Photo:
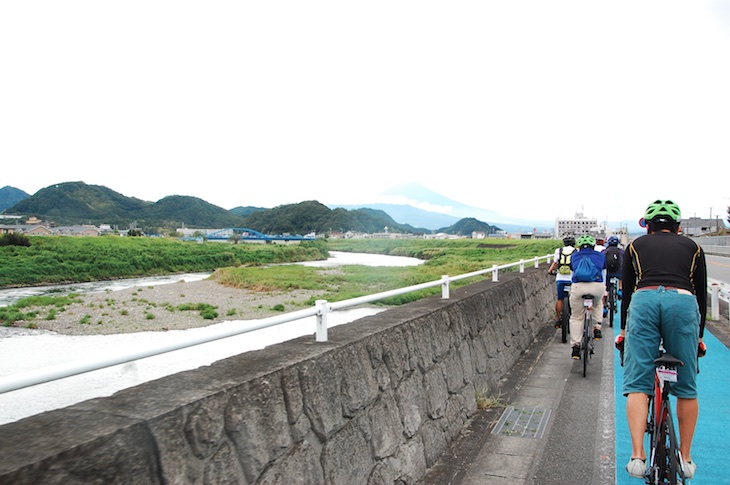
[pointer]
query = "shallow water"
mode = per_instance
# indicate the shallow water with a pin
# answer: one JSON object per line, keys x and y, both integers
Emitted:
{"x": 25, "y": 350}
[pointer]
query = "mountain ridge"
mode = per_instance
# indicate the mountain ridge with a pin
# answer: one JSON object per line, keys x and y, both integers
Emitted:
{"x": 77, "y": 202}
{"x": 9, "y": 196}
{"x": 73, "y": 203}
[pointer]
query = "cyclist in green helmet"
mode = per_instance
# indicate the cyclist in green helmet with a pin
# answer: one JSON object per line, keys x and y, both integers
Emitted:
{"x": 587, "y": 265}
{"x": 563, "y": 274}
{"x": 664, "y": 279}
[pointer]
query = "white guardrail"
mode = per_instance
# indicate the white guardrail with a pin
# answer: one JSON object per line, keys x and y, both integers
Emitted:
{"x": 717, "y": 250}
{"x": 320, "y": 310}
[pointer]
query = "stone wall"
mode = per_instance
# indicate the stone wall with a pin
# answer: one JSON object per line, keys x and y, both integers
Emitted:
{"x": 376, "y": 404}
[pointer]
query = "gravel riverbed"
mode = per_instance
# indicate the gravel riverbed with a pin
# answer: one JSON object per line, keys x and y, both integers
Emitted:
{"x": 155, "y": 308}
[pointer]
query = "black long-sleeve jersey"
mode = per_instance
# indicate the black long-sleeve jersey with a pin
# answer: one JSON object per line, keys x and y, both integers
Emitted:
{"x": 667, "y": 259}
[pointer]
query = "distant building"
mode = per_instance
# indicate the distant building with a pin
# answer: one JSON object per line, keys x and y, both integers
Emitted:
{"x": 84, "y": 230}
{"x": 695, "y": 226}
{"x": 48, "y": 230}
{"x": 38, "y": 230}
{"x": 577, "y": 226}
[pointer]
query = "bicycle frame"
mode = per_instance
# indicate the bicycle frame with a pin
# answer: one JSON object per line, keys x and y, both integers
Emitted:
{"x": 665, "y": 460}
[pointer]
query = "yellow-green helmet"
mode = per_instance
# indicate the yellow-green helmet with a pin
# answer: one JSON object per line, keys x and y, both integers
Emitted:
{"x": 586, "y": 240}
{"x": 663, "y": 209}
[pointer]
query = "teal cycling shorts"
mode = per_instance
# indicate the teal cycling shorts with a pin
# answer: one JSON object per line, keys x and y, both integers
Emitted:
{"x": 655, "y": 316}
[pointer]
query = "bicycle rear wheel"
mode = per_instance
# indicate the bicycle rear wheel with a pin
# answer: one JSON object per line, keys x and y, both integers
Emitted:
{"x": 565, "y": 319}
{"x": 611, "y": 302}
{"x": 665, "y": 464}
{"x": 586, "y": 343}
{"x": 674, "y": 458}
{"x": 658, "y": 464}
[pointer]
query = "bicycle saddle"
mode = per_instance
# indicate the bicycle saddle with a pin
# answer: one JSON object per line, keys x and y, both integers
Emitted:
{"x": 668, "y": 360}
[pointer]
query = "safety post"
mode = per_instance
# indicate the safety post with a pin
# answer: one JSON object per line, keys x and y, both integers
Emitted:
{"x": 715, "y": 302}
{"x": 445, "y": 287}
{"x": 322, "y": 311}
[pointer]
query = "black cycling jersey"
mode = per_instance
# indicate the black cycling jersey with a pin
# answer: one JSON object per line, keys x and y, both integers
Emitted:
{"x": 666, "y": 259}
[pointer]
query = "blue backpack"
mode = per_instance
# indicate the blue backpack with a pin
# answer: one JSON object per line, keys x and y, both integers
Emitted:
{"x": 586, "y": 272}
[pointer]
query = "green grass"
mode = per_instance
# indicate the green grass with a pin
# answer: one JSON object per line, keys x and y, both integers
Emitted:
{"x": 449, "y": 257}
{"x": 207, "y": 311}
{"x": 14, "y": 313}
{"x": 263, "y": 273}
{"x": 59, "y": 259}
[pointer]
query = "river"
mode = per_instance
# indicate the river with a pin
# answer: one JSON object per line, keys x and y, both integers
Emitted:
{"x": 337, "y": 258}
{"x": 26, "y": 350}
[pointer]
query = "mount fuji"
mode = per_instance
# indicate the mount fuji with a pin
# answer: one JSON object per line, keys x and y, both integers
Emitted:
{"x": 419, "y": 206}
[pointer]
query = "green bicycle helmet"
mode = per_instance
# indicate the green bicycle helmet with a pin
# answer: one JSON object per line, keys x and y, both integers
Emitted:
{"x": 586, "y": 240}
{"x": 663, "y": 209}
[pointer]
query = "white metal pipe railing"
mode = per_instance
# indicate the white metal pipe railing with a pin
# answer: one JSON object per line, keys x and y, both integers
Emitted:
{"x": 320, "y": 310}
{"x": 60, "y": 371}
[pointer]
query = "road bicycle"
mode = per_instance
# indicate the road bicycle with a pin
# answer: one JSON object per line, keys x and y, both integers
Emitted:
{"x": 665, "y": 460}
{"x": 586, "y": 345}
{"x": 611, "y": 299}
{"x": 565, "y": 316}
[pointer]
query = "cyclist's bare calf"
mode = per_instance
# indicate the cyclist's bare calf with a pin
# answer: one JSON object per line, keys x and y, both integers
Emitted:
{"x": 687, "y": 412}
{"x": 637, "y": 411}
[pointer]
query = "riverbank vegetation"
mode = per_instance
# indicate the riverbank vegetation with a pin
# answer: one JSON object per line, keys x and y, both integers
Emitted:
{"x": 443, "y": 257}
{"x": 254, "y": 267}
{"x": 58, "y": 259}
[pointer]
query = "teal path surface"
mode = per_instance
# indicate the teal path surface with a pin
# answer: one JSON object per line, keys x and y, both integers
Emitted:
{"x": 711, "y": 444}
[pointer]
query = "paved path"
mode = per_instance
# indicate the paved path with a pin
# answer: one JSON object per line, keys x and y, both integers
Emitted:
{"x": 585, "y": 438}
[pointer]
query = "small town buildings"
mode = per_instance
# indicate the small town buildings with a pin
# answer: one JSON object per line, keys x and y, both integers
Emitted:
{"x": 39, "y": 229}
{"x": 696, "y": 226}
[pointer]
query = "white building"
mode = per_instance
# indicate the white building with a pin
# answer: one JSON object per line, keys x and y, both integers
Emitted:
{"x": 577, "y": 226}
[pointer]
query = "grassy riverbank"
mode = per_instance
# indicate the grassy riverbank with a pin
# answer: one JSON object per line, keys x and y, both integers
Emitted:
{"x": 57, "y": 259}
{"x": 247, "y": 283}
{"x": 443, "y": 257}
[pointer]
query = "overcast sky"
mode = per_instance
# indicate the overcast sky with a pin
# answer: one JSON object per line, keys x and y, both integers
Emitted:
{"x": 531, "y": 109}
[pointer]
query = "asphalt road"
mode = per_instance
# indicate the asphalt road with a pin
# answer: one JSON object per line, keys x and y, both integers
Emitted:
{"x": 579, "y": 444}
{"x": 718, "y": 267}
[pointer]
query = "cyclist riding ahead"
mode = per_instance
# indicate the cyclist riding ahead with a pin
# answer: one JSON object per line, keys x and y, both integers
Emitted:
{"x": 664, "y": 301}
{"x": 587, "y": 265}
{"x": 614, "y": 258}
{"x": 563, "y": 274}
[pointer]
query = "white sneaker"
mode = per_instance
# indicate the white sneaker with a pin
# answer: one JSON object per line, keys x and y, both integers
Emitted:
{"x": 636, "y": 468}
{"x": 689, "y": 468}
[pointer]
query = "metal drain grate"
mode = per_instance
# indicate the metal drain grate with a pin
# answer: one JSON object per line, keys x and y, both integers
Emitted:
{"x": 523, "y": 422}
